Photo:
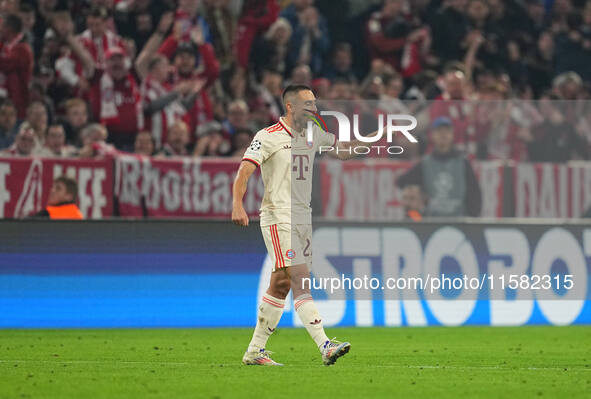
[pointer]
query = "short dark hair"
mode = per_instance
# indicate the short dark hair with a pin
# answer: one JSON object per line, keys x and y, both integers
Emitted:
{"x": 26, "y": 8}
{"x": 56, "y": 124}
{"x": 294, "y": 89}
{"x": 7, "y": 103}
{"x": 342, "y": 46}
{"x": 70, "y": 184}
{"x": 99, "y": 12}
{"x": 14, "y": 23}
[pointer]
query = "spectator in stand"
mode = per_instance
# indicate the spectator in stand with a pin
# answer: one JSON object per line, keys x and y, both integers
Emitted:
{"x": 390, "y": 36}
{"x": 186, "y": 85}
{"x": 188, "y": 18}
{"x": 413, "y": 202}
{"x": 94, "y": 142}
{"x": 535, "y": 22}
{"x": 213, "y": 141}
{"x": 98, "y": 39}
{"x": 8, "y": 7}
{"x": 177, "y": 141}
{"x": 341, "y": 65}
{"x": 144, "y": 144}
{"x": 8, "y": 124}
{"x": 573, "y": 45}
{"x": 240, "y": 142}
{"x": 556, "y": 140}
{"x": 567, "y": 86}
{"x": 445, "y": 177}
{"x": 203, "y": 74}
{"x": 271, "y": 48}
{"x": 137, "y": 19}
{"x": 16, "y": 63}
{"x": 449, "y": 30}
{"x": 162, "y": 103}
{"x": 37, "y": 118}
{"x": 44, "y": 12}
{"x": 222, "y": 24}
{"x": 55, "y": 143}
{"x": 490, "y": 52}
{"x": 115, "y": 99}
{"x": 320, "y": 87}
{"x": 301, "y": 74}
{"x": 452, "y": 106}
{"x": 24, "y": 142}
{"x": 540, "y": 63}
{"x": 61, "y": 203}
{"x": 76, "y": 118}
{"x": 256, "y": 17}
{"x": 270, "y": 92}
{"x": 310, "y": 38}
{"x": 238, "y": 113}
{"x": 27, "y": 15}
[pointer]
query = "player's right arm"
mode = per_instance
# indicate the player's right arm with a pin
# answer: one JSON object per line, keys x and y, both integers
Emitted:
{"x": 256, "y": 153}
{"x": 239, "y": 215}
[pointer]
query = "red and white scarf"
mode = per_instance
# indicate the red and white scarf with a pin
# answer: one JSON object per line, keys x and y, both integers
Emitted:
{"x": 109, "y": 110}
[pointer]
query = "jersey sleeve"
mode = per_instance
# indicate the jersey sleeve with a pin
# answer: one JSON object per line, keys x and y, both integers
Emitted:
{"x": 259, "y": 149}
{"x": 324, "y": 139}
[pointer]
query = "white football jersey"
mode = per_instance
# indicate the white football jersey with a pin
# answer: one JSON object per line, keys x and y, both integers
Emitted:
{"x": 286, "y": 159}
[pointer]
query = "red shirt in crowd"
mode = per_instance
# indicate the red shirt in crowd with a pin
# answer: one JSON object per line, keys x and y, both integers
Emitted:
{"x": 16, "y": 71}
{"x": 99, "y": 46}
{"x": 125, "y": 95}
{"x": 256, "y": 18}
{"x": 202, "y": 109}
{"x": 381, "y": 46}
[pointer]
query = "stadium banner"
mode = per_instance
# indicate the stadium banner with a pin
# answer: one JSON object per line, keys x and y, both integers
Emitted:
{"x": 25, "y": 184}
{"x": 366, "y": 190}
{"x": 546, "y": 190}
{"x": 210, "y": 274}
{"x": 181, "y": 188}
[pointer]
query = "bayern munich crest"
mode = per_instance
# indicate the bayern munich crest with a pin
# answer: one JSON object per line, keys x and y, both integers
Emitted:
{"x": 290, "y": 254}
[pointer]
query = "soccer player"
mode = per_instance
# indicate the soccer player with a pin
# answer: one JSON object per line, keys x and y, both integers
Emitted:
{"x": 286, "y": 159}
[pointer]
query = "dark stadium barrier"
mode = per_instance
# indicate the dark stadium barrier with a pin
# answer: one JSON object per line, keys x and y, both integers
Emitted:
{"x": 157, "y": 273}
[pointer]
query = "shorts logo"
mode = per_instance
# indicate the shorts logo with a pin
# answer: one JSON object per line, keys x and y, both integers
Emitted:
{"x": 290, "y": 254}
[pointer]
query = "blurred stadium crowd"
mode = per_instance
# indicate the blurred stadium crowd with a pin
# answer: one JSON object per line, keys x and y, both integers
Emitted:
{"x": 200, "y": 77}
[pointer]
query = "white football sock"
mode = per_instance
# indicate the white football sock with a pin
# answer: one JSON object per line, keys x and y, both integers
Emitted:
{"x": 269, "y": 314}
{"x": 306, "y": 309}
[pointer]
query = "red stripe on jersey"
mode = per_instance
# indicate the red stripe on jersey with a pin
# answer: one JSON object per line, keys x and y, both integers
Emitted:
{"x": 251, "y": 160}
{"x": 274, "y": 128}
{"x": 285, "y": 128}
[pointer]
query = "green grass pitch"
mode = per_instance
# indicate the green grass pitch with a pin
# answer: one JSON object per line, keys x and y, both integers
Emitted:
{"x": 429, "y": 362}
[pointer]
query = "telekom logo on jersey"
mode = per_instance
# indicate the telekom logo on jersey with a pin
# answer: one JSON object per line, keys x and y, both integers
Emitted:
{"x": 344, "y": 132}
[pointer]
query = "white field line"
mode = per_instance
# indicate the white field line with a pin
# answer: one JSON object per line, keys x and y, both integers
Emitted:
{"x": 398, "y": 366}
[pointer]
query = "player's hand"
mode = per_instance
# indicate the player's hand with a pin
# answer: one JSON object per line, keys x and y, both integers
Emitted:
{"x": 239, "y": 216}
